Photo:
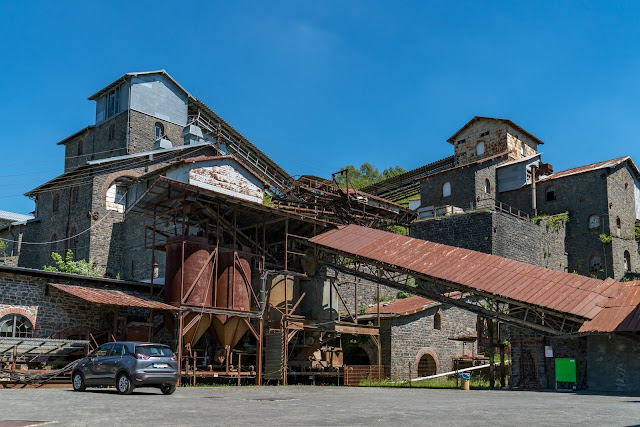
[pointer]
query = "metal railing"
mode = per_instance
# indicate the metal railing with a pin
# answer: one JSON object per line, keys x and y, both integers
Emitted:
{"x": 355, "y": 375}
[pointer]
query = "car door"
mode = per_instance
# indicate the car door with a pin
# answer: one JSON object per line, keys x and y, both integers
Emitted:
{"x": 94, "y": 367}
{"x": 112, "y": 363}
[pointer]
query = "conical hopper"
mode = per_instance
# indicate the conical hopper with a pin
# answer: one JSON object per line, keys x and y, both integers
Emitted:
{"x": 195, "y": 333}
{"x": 229, "y": 329}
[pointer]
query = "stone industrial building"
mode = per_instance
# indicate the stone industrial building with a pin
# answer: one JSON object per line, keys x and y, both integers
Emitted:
{"x": 154, "y": 149}
{"x": 497, "y": 180}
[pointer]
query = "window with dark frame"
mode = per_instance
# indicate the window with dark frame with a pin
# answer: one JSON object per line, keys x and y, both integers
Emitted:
{"x": 550, "y": 194}
{"x": 595, "y": 264}
{"x": 112, "y": 103}
{"x": 437, "y": 321}
{"x": 159, "y": 129}
{"x": 79, "y": 151}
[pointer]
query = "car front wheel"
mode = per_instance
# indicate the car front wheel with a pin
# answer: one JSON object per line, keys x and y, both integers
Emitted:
{"x": 78, "y": 382}
{"x": 123, "y": 384}
{"x": 168, "y": 388}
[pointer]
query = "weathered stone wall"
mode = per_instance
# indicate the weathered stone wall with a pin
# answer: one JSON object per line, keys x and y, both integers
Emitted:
{"x": 143, "y": 134}
{"x": 414, "y": 335}
{"x": 600, "y": 192}
{"x": 498, "y": 233}
{"x": 614, "y": 364}
{"x": 495, "y": 142}
{"x": 53, "y": 310}
{"x": 620, "y": 193}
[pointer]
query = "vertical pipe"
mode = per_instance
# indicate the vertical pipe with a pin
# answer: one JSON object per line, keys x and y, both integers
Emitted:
{"x": 510, "y": 364}
{"x": 14, "y": 357}
{"x": 153, "y": 248}
{"x": 239, "y": 367}
{"x": 260, "y": 350}
{"x": 356, "y": 299}
{"x": 286, "y": 244}
{"x": 534, "y": 203}
{"x": 409, "y": 374}
{"x": 492, "y": 380}
{"x": 195, "y": 360}
{"x": 180, "y": 342}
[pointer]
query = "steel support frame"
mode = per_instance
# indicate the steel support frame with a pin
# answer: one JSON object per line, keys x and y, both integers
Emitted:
{"x": 508, "y": 311}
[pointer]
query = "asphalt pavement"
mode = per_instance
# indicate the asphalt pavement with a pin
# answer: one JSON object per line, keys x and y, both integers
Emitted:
{"x": 309, "y": 405}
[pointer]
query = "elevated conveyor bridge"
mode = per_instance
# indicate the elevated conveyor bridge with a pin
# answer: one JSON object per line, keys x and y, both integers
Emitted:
{"x": 549, "y": 302}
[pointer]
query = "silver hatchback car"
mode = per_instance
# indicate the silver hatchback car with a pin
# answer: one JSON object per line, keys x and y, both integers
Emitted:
{"x": 127, "y": 365}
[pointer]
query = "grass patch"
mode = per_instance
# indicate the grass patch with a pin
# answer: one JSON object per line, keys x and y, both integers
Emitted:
{"x": 477, "y": 383}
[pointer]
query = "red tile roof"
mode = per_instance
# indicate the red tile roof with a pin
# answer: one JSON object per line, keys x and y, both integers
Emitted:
{"x": 404, "y": 306}
{"x": 620, "y": 314}
{"x": 109, "y": 297}
{"x": 554, "y": 290}
{"x": 589, "y": 168}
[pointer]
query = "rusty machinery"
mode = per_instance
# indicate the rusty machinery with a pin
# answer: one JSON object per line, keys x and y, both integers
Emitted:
{"x": 245, "y": 284}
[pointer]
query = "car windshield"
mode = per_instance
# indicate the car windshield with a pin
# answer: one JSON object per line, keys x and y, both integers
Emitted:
{"x": 154, "y": 350}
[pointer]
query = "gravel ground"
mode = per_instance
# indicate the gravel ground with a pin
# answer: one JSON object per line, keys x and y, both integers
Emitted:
{"x": 308, "y": 405}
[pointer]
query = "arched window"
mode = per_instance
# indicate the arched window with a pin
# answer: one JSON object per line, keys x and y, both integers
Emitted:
{"x": 73, "y": 241}
{"x": 75, "y": 195}
{"x": 53, "y": 246}
{"x": 15, "y": 326}
{"x": 80, "y": 148}
{"x": 487, "y": 186}
{"x": 594, "y": 222}
{"x": 55, "y": 205}
{"x": 480, "y": 149}
{"x": 627, "y": 261}
{"x": 159, "y": 130}
{"x": 437, "y": 321}
{"x": 446, "y": 189}
{"x": 618, "y": 222}
{"x": 550, "y": 194}
{"x": 595, "y": 264}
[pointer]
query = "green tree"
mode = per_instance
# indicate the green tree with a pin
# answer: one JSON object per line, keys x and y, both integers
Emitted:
{"x": 68, "y": 265}
{"x": 366, "y": 174}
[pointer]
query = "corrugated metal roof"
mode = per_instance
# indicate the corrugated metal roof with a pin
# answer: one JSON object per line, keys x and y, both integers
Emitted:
{"x": 405, "y": 306}
{"x": 554, "y": 290}
{"x": 109, "y": 297}
{"x": 591, "y": 167}
{"x": 14, "y": 217}
{"x": 620, "y": 314}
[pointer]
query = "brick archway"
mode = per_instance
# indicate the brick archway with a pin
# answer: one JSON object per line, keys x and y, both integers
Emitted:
{"x": 115, "y": 175}
{"x": 426, "y": 351}
{"x": 21, "y": 311}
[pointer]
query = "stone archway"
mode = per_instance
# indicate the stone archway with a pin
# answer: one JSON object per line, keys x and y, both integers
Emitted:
{"x": 426, "y": 363}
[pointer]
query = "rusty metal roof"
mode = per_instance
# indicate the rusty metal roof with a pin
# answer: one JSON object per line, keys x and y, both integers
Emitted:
{"x": 405, "y": 306}
{"x": 591, "y": 167}
{"x": 109, "y": 297}
{"x": 554, "y": 290}
{"x": 620, "y": 314}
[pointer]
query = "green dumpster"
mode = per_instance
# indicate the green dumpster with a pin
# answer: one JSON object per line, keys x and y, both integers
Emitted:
{"x": 565, "y": 370}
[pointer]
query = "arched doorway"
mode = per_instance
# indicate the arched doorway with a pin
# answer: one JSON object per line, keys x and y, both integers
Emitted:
{"x": 427, "y": 366}
{"x": 356, "y": 356}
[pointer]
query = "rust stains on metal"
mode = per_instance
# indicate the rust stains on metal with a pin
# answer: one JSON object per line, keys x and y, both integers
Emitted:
{"x": 517, "y": 281}
{"x": 108, "y": 297}
{"x": 620, "y": 314}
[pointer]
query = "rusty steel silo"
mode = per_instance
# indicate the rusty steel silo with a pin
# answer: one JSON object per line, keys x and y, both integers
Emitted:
{"x": 180, "y": 277}
{"x": 233, "y": 292}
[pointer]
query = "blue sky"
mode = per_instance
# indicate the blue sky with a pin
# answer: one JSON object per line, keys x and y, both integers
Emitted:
{"x": 319, "y": 85}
